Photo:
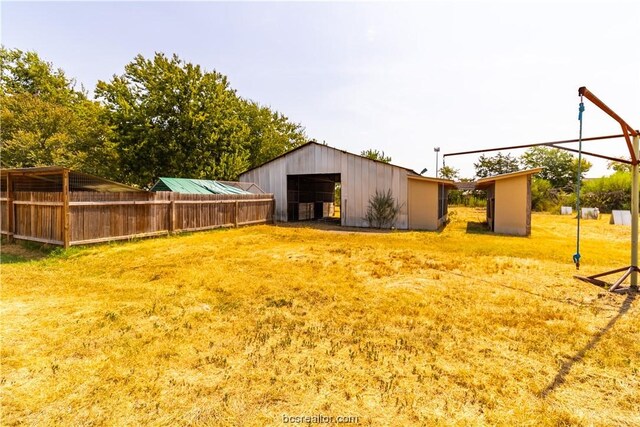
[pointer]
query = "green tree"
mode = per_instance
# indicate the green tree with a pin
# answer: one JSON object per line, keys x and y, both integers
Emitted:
{"x": 543, "y": 196}
{"x": 448, "y": 172}
{"x": 172, "y": 118}
{"x": 559, "y": 168}
{"x": 455, "y": 197}
{"x": 619, "y": 166}
{"x": 496, "y": 165}
{"x": 46, "y": 121}
{"x": 375, "y": 155}
{"x": 584, "y": 168}
{"x": 25, "y": 72}
{"x": 270, "y": 133}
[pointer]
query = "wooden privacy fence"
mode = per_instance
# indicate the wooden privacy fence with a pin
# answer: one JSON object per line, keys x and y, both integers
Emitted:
{"x": 91, "y": 217}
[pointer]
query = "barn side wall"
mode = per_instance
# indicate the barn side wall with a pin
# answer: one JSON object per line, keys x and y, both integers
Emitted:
{"x": 360, "y": 179}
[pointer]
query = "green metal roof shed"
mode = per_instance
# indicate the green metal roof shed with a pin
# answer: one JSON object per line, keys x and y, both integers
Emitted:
{"x": 195, "y": 186}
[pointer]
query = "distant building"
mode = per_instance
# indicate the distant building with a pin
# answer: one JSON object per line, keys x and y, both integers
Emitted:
{"x": 509, "y": 201}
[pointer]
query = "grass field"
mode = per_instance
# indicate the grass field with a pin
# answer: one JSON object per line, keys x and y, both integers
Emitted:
{"x": 244, "y": 326}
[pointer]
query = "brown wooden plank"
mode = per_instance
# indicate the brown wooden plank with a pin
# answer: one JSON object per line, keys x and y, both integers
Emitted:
{"x": 119, "y": 203}
{"x": 66, "y": 236}
{"x": 10, "y": 209}
{"x": 236, "y": 213}
{"x": 257, "y": 221}
{"x": 38, "y": 239}
{"x": 36, "y": 203}
{"x": 112, "y": 238}
{"x": 210, "y": 227}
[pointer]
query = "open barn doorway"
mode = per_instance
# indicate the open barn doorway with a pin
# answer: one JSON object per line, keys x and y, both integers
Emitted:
{"x": 314, "y": 197}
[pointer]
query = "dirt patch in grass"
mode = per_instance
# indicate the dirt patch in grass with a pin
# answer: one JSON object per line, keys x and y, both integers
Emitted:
{"x": 21, "y": 252}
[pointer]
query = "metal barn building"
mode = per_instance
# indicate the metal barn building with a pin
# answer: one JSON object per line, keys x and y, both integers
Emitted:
{"x": 304, "y": 183}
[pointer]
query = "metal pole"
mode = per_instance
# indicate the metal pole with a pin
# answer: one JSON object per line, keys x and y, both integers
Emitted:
{"x": 576, "y": 257}
{"x": 634, "y": 215}
{"x": 538, "y": 144}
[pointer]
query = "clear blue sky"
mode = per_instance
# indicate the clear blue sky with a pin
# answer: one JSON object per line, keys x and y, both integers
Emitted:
{"x": 403, "y": 78}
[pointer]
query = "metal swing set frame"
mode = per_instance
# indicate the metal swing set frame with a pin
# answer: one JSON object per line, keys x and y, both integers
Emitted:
{"x": 632, "y": 139}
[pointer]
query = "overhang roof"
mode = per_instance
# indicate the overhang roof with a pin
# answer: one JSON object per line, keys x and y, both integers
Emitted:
{"x": 78, "y": 181}
{"x": 446, "y": 182}
{"x": 40, "y": 170}
{"x": 485, "y": 182}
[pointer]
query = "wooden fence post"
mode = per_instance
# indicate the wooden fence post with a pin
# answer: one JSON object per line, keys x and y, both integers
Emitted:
{"x": 172, "y": 216}
{"x": 66, "y": 230}
{"x": 273, "y": 210}
{"x": 235, "y": 214}
{"x": 10, "y": 211}
{"x": 33, "y": 214}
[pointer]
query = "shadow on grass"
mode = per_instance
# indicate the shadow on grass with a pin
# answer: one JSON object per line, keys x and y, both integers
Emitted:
{"x": 565, "y": 369}
{"x": 474, "y": 227}
{"x": 332, "y": 226}
{"x": 11, "y": 259}
{"x": 20, "y": 251}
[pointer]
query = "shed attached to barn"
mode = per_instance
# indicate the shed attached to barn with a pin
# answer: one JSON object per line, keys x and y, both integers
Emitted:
{"x": 424, "y": 212}
{"x": 509, "y": 201}
{"x": 309, "y": 179}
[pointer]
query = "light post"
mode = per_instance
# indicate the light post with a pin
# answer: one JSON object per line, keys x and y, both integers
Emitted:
{"x": 437, "y": 150}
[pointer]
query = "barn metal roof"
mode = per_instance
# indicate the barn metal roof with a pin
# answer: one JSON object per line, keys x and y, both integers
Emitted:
{"x": 311, "y": 143}
{"x": 196, "y": 186}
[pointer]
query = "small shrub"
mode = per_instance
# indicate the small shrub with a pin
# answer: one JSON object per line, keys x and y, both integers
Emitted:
{"x": 383, "y": 210}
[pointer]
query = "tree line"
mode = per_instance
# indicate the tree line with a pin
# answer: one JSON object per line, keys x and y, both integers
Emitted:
{"x": 161, "y": 117}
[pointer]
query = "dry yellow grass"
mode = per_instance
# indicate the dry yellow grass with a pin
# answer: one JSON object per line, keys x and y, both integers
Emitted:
{"x": 240, "y": 327}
